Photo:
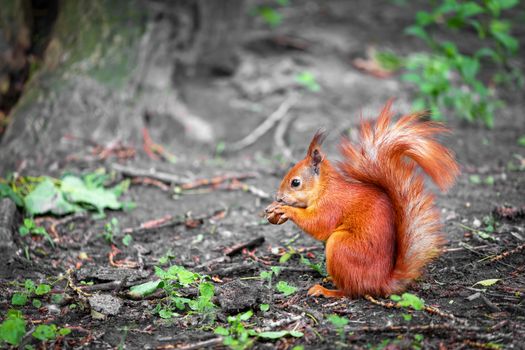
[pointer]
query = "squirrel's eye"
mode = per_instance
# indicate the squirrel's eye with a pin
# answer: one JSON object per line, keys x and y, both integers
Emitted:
{"x": 295, "y": 182}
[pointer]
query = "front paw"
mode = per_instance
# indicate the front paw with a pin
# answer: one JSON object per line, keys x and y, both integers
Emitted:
{"x": 275, "y": 213}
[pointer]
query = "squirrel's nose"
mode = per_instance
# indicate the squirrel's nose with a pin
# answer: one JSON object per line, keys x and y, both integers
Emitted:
{"x": 279, "y": 197}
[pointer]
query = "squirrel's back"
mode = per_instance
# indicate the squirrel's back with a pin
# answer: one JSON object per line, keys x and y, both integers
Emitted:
{"x": 386, "y": 157}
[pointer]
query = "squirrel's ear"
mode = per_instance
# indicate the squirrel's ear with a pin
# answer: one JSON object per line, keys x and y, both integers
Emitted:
{"x": 315, "y": 154}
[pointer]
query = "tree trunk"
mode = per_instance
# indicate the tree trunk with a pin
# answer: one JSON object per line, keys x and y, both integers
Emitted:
{"x": 110, "y": 63}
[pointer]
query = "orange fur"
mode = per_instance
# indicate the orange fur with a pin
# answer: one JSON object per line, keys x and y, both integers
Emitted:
{"x": 378, "y": 220}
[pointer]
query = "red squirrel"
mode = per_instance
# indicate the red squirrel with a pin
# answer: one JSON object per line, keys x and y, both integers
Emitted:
{"x": 372, "y": 209}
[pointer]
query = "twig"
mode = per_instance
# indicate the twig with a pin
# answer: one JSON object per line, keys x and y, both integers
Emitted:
{"x": 507, "y": 253}
{"x": 198, "y": 345}
{"x": 151, "y": 224}
{"x": 419, "y": 328}
{"x": 72, "y": 285}
{"x": 278, "y": 137}
{"x": 168, "y": 221}
{"x": 237, "y": 185}
{"x": 281, "y": 322}
{"x": 214, "y": 181}
{"x": 240, "y": 246}
{"x": 152, "y": 172}
{"x": 429, "y": 309}
{"x": 268, "y": 123}
{"x": 151, "y": 182}
{"x": 126, "y": 263}
{"x": 233, "y": 270}
{"x": 448, "y": 250}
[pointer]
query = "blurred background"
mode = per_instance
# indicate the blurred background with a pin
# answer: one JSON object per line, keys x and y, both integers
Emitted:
{"x": 203, "y": 74}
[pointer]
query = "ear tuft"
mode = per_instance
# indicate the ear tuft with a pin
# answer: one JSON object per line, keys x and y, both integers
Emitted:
{"x": 314, "y": 150}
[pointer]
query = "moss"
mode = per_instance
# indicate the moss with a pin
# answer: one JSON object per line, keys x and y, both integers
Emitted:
{"x": 99, "y": 38}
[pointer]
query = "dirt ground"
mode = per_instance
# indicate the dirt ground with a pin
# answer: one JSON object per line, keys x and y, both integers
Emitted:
{"x": 323, "y": 38}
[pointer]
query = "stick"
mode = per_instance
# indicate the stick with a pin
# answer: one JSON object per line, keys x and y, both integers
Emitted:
{"x": 240, "y": 246}
{"x": 152, "y": 173}
{"x": 198, "y": 345}
{"x": 419, "y": 328}
{"x": 268, "y": 123}
{"x": 214, "y": 181}
{"x": 507, "y": 253}
{"x": 278, "y": 137}
{"x": 429, "y": 309}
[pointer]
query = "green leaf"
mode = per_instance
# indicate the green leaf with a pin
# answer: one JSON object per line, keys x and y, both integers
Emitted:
{"x": 64, "y": 331}
{"x": 166, "y": 314}
{"x": 46, "y": 197}
{"x": 246, "y": 315}
{"x": 7, "y": 191}
{"x": 271, "y": 16}
{"x": 395, "y": 297}
{"x": 206, "y": 290}
{"x": 265, "y": 275}
{"x": 489, "y": 282}
{"x": 100, "y": 198}
{"x": 37, "y": 303}
{"x": 126, "y": 240}
{"x": 411, "y": 300}
{"x": 45, "y": 332}
{"x": 285, "y": 257}
{"x": 279, "y": 334}
{"x": 285, "y": 288}
{"x": 307, "y": 79}
{"x": 521, "y": 141}
{"x": 337, "y": 321}
{"x": 470, "y": 9}
{"x": 424, "y": 18}
{"x": 42, "y": 289}
{"x": 13, "y": 329}
{"x": 29, "y": 286}
{"x": 57, "y": 298}
{"x": 221, "y": 331}
{"x": 264, "y": 307}
{"x": 475, "y": 179}
{"x": 407, "y": 317}
{"x": 417, "y": 31}
{"x": 145, "y": 289}
{"x": 19, "y": 299}
{"x": 507, "y": 4}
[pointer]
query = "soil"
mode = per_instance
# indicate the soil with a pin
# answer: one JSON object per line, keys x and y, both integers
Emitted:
{"x": 322, "y": 38}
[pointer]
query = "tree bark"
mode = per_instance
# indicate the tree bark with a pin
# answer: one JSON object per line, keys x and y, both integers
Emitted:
{"x": 110, "y": 63}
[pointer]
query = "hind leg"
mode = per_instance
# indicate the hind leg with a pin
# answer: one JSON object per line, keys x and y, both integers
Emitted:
{"x": 318, "y": 290}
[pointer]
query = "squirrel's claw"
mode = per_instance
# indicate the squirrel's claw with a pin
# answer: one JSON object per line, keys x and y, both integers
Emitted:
{"x": 318, "y": 290}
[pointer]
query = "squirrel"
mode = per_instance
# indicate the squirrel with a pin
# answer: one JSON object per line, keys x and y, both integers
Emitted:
{"x": 372, "y": 209}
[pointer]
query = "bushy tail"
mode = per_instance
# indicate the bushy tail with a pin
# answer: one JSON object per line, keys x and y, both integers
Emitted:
{"x": 387, "y": 156}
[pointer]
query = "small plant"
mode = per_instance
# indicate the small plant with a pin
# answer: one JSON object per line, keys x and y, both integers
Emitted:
{"x": 339, "y": 323}
{"x": 448, "y": 78}
{"x": 270, "y": 14}
{"x": 30, "y": 289}
{"x": 45, "y": 332}
{"x": 30, "y": 227}
{"x": 70, "y": 194}
{"x": 417, "y": 343}
{"x": 172, "y": 281}
{"x": 409, "y": 300}
{"x": 111, "y": 229}
{"x": 13, "y": 329}
{"x": 285, "y": 288}
{"x": 238, "y": 335}
{"x": 308, "y": 80}
{"x": 291, "y": 252}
